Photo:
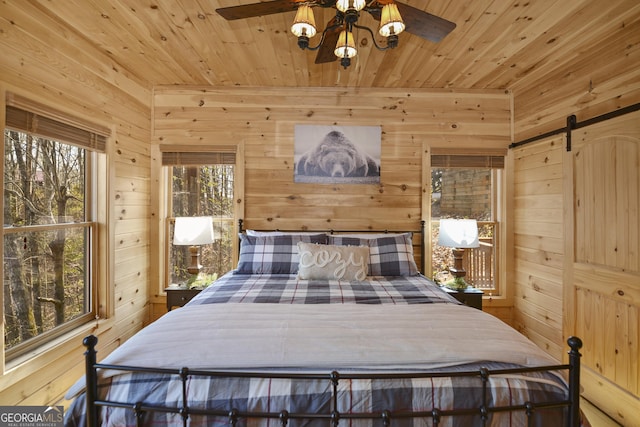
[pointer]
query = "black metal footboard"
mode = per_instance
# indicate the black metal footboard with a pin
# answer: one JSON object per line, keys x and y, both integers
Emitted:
{"x": 334, "y": 416}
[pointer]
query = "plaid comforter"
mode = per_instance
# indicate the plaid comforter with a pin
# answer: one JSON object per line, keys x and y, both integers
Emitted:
{"x": 313, "y": 397}
{"x": 272, "y": 395}
{"x": 288, "y": 289}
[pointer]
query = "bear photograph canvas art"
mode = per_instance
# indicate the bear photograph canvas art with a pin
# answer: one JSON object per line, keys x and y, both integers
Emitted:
{"x": 337, "y": 154}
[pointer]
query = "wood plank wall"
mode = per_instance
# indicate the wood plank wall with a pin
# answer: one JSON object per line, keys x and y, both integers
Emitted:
{"x": 539, "y": 244}
{"x": 595, "y": 275}
{"x": 43, "y": 61}
{"x": 577, "y": 246}
{"x": 587, "y": 85}
{"x": 262, "y": 121}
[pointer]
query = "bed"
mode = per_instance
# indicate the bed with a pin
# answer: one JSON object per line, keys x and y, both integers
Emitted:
{"x": 325, "y": 329}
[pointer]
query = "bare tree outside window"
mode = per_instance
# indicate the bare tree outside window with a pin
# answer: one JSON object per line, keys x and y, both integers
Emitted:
{"x": 46, "y": 236}
{"x": 203, "y": 191}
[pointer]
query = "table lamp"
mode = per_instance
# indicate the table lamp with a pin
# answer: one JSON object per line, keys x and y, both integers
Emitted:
{"x": 193, "y": 231}
{"x": 458, "y": 234}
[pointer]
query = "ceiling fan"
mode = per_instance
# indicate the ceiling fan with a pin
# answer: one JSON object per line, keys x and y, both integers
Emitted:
{"x": 337, "y": 39}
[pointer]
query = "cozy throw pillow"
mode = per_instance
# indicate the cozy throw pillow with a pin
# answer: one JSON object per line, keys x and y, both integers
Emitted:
{"x": 272, "y": 254}
{"x": 388, "y": 256}
{"x": 332, "y": 262}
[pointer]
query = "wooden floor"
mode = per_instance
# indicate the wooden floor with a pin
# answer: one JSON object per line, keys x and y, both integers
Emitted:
{"x": 596, "y": 417}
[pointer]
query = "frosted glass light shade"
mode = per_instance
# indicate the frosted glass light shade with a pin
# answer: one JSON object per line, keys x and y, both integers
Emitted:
{"x": 346, "y": 46}
{"x": 390, "y": 21}
{"x": 458, "y": 233}
{"x": 304, "y": 23}
{"x": 193, "y": 231}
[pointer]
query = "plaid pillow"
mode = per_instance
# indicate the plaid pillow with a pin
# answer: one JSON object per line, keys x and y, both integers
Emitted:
{"x": 272, "y": 254}
{"x": 388, "y": 256}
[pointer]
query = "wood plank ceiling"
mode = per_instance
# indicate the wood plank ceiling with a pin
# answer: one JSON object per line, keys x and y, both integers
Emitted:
{"x": 497, "y": 44}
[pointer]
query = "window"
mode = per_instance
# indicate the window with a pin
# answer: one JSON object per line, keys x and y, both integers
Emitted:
{"x": 201, "y": 184}
{"x": 468, "y": 187}
{"x": 49, "y": 225}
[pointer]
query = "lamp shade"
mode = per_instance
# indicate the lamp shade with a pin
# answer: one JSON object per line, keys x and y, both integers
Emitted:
{"x": 458, "y": 233}
{"x": 344, "y": 5}
{"x": 304, "y": 23}
{"x": 390, "y": 21}
{"x": 193, "y": 230}
{"x": 346, "y": 46}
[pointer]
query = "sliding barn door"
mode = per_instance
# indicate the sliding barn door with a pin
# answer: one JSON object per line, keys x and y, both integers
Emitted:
{"x": 602, "y": 300}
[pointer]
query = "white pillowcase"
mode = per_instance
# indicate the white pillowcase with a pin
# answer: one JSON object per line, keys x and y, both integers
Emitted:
{"x": 329, "y": 262}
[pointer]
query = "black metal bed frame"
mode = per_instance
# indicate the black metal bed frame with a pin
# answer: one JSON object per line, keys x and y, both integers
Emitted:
{"x": 572, "y": 402}
{"x": 333, "y": 417}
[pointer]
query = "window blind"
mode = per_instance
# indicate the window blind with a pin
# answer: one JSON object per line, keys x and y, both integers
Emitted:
{"x": 37, "y": 119}
{"x": 197, "y": 158}
{"x": 466, "y": 161}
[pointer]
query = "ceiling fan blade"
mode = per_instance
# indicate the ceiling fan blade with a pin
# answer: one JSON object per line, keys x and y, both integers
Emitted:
{"x": 325, "y": 52}
{"x": 419, "y": 22}
{"x": 424, "y": 24}
{"x": 257, "y": 9}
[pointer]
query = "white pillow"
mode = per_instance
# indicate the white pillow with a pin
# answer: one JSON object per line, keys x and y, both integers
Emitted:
{"x": 328, "y": 262}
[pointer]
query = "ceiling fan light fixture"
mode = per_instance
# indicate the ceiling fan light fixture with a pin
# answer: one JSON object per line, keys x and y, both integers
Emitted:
{"x": 346, "y": 46}
{"x": 347, "y": 13}
{"x": 344, "y": 5}
{"x": 304, "y": 24}
{"x": 390, "y": 21}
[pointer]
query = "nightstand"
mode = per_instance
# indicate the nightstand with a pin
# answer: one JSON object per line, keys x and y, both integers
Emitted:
{"x": 470, "y": 296}
{"x": 177, "y": 297}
